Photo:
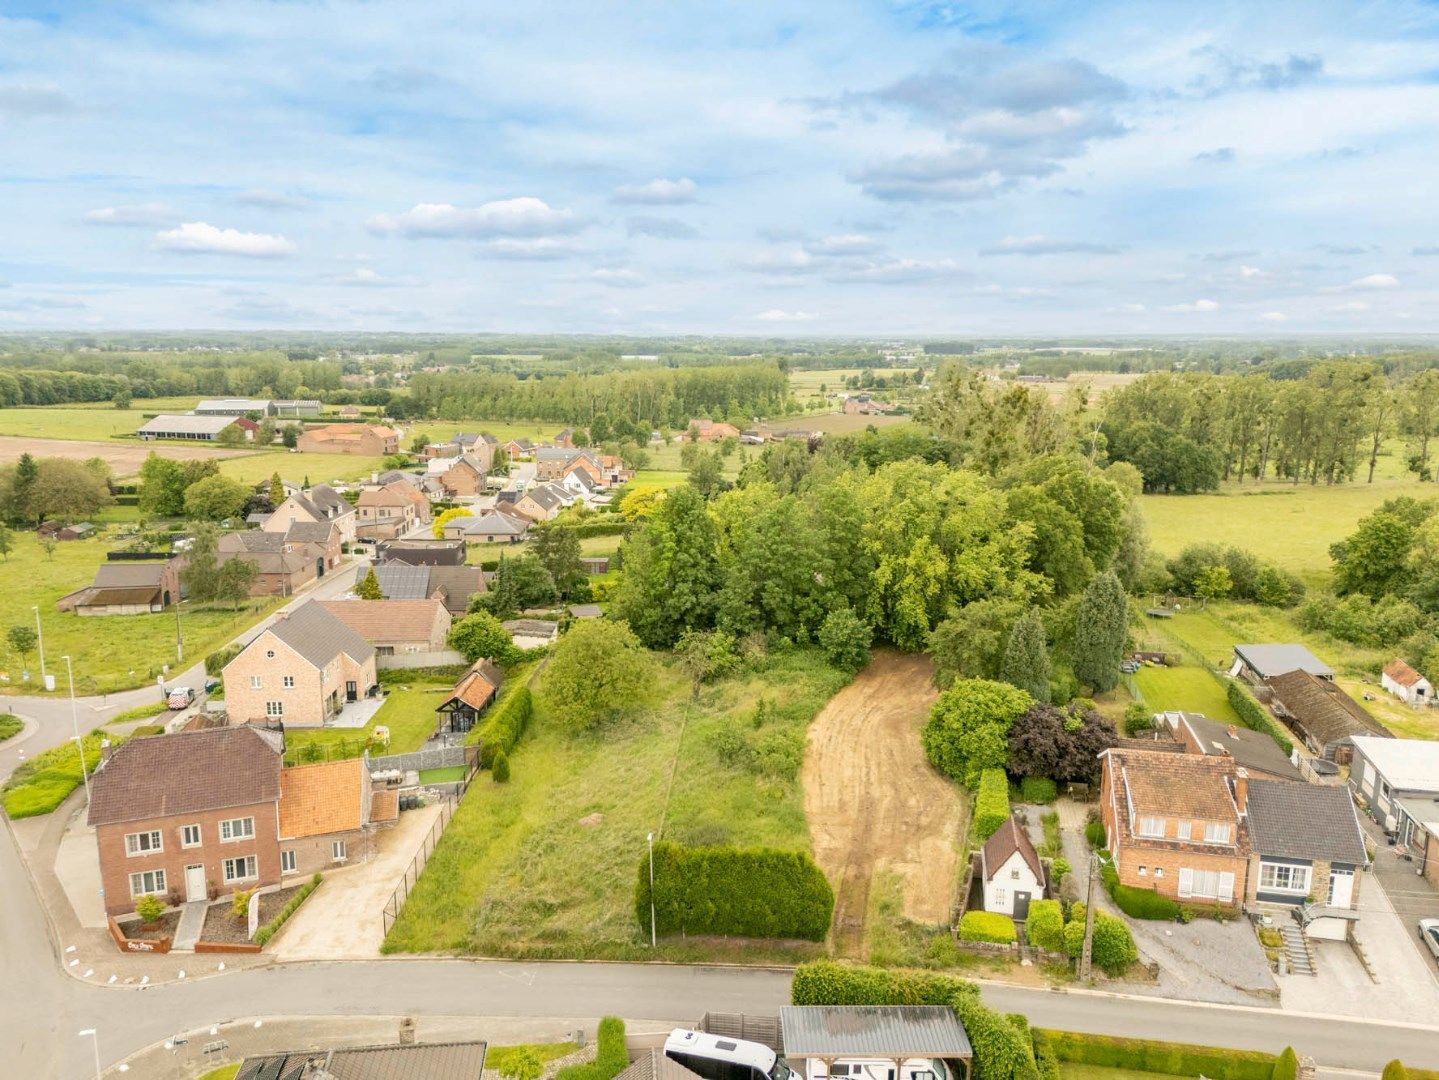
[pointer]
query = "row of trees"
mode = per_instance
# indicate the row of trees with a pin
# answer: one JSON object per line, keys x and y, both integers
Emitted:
{"x": 33, "y": 489}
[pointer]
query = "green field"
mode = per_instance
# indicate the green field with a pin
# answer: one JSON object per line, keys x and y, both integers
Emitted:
{"x": 112, "y": 652}
{"x": 1188, "y": 689}
{"x": 408, "y": 711}
{"x": 544, "y": 866}
{"x": 809, "y": 382}
{"x": 73, "y": 422}
{"x": 320, "y": 468}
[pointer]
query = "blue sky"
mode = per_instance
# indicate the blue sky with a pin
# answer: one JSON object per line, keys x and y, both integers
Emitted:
{"x": 765, "y": 168}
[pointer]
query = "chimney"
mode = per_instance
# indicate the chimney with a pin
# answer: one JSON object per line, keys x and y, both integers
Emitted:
{"x": 407, "y": 1031}
{"x": 281, "y": 616}
{"x": 1241, "y": 790}
{"x": 106, "y": 749}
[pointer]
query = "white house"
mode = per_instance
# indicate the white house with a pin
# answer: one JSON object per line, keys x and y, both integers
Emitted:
{"x": 1013, "y": 874}
{"x": 1406, "y": 684}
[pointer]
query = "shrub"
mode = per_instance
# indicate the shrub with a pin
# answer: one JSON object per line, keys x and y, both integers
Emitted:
{"x": 1113, "y": 950}
{"x": 1253, "y": 715}
{"x": 1134, "y": 902}
{"x": 991, "y": 805}
{"x": 829, "y": 982}
{"x": 1094, "y": 833}
{"x": 240, "y": 904}
{"x": 1045, "y": 926}
{"x": 500, "y": 767}
{"x": 1286, "y": 1065}
{"x": 148, "y": 729}
{"x": 1393, "y": 1071}
{"x": 266, "y": 932}
{"x": 504, "y": 726}
{"x": 1038, "y": 789}
{"x": 991, "y": 926}
{"x": 150, "y": 908}
{"x": 1059, "y": 869}
{"x": 747, "y": 892}
{"x": 216, "y": 661}
{"x": 1053, "y": 842}
{"x": 1137, "y": 718}
{"x": 1001, "y": 1048}
{"x": 1147, "y": 1055}
{"x": 845, "y": 639}
{"x": 612, "y": 1057}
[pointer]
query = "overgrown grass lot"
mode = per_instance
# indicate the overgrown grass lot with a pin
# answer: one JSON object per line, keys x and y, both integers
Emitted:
{"x": 111, "y": 652}
{"x": 544, "y": 865}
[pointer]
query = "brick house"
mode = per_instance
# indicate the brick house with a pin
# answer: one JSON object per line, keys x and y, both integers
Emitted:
{"x": 543, "y": 502}
{"x": 565, "y": 439}
{"x": 320, "y": 503}
{"x": 1172, "y": 824}
{"x": 712, "y": 430}
{"x": 279, "y": 569}
{"x": 465, "y": 478}
{"x": 329, "y": 814}
{"x": 395, "y": 627}
{"x": 1254, "y": 750}
{"x": 390, "y": 511}
{"x": 591, "y": 467}
{"x": 451, "y": 585}
{"x": 301, "y": 670}
{"x": 518, "y": 448}
{"x": 372, "y": 440}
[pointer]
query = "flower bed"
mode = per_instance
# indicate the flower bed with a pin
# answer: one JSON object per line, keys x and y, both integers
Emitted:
{"x": 224, "y": 932}
{"x": 132, "y": 935}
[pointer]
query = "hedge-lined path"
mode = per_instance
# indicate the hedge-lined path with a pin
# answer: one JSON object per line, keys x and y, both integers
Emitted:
{"x": 873, "y": 801}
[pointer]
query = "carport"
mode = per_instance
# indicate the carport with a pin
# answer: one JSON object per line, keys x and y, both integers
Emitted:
{"x": 896, "y": 1033}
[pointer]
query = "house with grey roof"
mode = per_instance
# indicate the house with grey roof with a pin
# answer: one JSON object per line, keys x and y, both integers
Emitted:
{"x": 303, "y": 670}
{"x": 127, "y": 587}
{"x": 233, "y": 407}
{"x": 410, "y": 1061}
{"x": 451, "y": 585}
{"x": 1254, "y": 750}
{"x": 819, "y": 1037}
{"x": 1308, "y": 855}
{"x": 319, "y": 503}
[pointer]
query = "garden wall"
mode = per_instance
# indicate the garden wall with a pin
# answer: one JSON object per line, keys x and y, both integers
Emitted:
{"x": 134, "y": 945}
{"x": 418, "y": 760}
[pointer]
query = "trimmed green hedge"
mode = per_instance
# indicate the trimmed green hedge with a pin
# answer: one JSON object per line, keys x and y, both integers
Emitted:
{"x": 1254, "y": 715}
{"x": 1114, "y": 949}
{"x": 745, "y": 892}
{"x": 1045, "y": 925}
{"x": 829, "y": 982}
{"x": 991, "y": 805}
{"x": 611, "y": 1055}
{"x": 1002, "y": 1049}
{"x": 991, "y": 926}
{"x": 502, "y": 729}
{"x": 1148, "y": 1055}
{"x": 1137, "y": 903}
{"x": 1038, "y": 789}
{"x": 266, "y": 932}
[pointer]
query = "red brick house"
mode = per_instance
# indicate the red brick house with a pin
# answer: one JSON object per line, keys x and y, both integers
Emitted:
{"x": 712, "y": 430}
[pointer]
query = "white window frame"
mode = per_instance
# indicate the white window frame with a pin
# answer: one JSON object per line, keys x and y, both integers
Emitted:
{"x": 999, "y": 897}
{"x": 338, "y": 851}
{"x": 185, "y": 841}
{"x": 240, "y": 868}
{"x": 1285, "y": 878}
{"x": 1151, "y": 828}
{"x": 157, "y": 881}
{"x": 288, "y": 861}
{"x": 274, "y": 708}
{"x": 1206, "y": 884}
{"x": 287, "y": 682}
{"x": 1217, "y": 832}
{"x": 1183, "y": 829}
{"x": 1159, "y": 871}
{"x": 1144, "y": 871}
{"x": 153, "y": 837}
{"x": 234, "y": 830}
{"x": 256, "y": 682}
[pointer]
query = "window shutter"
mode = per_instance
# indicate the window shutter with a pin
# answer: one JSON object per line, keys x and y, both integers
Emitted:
{"x": 1186, "y": 881}
{"x": 1226, "y": 885}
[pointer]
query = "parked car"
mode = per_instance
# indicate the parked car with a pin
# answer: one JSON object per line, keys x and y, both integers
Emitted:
{"x": 180, "y": 697}
{"x": 1429, "y": 934}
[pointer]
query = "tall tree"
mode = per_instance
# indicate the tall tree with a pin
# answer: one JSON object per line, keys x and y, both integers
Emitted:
{"x": 215, "y": 498}
{"x": 68, "y": 490}
{"x": 202, "y": 564}
{"x": 22, "y": 488}
{"x": 558, "y": 550}
{"x": 671, "y": 575}
{"x": 596, "y": 671}
{"x": 277, "y": 490}
{"x": 1026, "y": 657}
{"x": 369, "y": 587}
{"x": 1100, "y": 628}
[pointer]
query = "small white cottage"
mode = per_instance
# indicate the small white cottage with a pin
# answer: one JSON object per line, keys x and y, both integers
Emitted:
{"x": 1013, "y": 874}
{"x": 1406, "y": 684}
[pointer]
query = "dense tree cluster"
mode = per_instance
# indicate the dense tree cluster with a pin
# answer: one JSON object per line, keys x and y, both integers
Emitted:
{"x": 33, "y": 489}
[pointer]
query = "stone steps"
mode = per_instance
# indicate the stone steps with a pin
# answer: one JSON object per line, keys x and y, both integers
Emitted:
{"x": 1297, "y": 950}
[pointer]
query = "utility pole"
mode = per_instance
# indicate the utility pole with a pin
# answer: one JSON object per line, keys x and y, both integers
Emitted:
{"x": 651, "y": 840}
{"x": 40, "y": 637}
{"x": 1086, "y": 956}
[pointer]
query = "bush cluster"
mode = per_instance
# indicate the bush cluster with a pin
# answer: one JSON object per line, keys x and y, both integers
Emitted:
{"x": 1113, "y": 950}
{"x": 1148, "y": 1055}
{"x": 271, "y": 928}
{"x": 1361, "y": 621}
{"x": 745, "y": 892}
{"x": 991, "y": 926}
{"x": 1247, "y": 577}
{"x": 1253, "y": 716}
{"x": 1094, "y": 833}
{"x": 1045, "y": 925}
{"x": 1137, "y": 903}
{"x": 611, "y": 1055}
{"x": 828, "y": 982}
{"x": 991, "y": 805}
{"x": 216, "y": 661}
{"x": 502, "y": 729}
{"x": 1038, "y": 789}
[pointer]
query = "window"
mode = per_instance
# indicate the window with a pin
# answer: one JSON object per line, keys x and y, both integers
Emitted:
{"x": 190, "y": 836}
{"x": 143, "y": 843}
{"x": 147, "y": 883}
{"x": 274, "y": 708}
{"x": 255, "y": 682}
{"x": 1182, "y": 830}
{"x": 240, "y": 828}
{"x": 337, "y": 850}
{"x": 288, "y": 682}
{"x": 1159, "y": 871}
{"x": 1216, "y": 833}
{"x": 1151, "y": 826}
{"x": 1144, "y": 871}
{"x": 1014, "y": 874}
{"x": 1206, "y": 884}
{"x": 241, "y": 869}
{"x": 999, "y": 898}
{"x": 287, "y": 861}
{"x": 384, "y": 650}
{"x": 1283, "y": 878}
{"x": 269, "y": 654}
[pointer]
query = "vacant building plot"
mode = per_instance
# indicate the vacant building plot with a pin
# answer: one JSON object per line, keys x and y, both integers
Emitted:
{"x": 873, "y": 801}
{"x": 123, "y": 457}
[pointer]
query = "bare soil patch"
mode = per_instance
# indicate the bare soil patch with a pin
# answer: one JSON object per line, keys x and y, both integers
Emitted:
{"x": 136, "y": 930}
{"x": 873, "y": 801}
{"x": 122, "y": 456}
{"x": 223, "y": 928}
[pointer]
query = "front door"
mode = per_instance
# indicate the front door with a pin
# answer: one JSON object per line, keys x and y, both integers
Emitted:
{"x": 195, "y": 884}
{"x": 1021, "y": 906}
{"x": 1341, "y": 888}
{"x": 352, "y": 691}
{"x": 319, "y": 567}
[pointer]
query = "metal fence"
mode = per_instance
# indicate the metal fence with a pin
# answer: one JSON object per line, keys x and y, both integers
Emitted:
{"x": 396, "y": 902}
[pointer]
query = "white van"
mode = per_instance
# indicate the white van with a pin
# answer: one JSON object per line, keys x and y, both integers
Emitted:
{"x": 878, "y": 1069}
{"x": 715, "y": 1057}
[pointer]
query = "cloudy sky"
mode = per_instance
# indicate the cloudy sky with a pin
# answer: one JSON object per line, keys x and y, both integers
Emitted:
{"x": 770, "y": 167}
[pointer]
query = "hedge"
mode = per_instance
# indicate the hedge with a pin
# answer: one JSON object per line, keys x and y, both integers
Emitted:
{"x": 1114, "y": 949}
{"x": 1038, "y": 789}
{"x": 991, "y": 926}
{"x": 1002, "y": 1050}
{"x": 745, "y": 892}
{"x": 612, "y": 1057}
{"x": 829, "y": 982}
{"x": 991, "y": 805}
{"x": 266, "y": 932}
{"x": 1045, "y": 925}
{"x": 1137, "y": 903}
{"x": 1149, "y": 1055}
{"x": 502, "y": 729}
{"x": 1286, "y": 1065}
{"x": 1254, "y": 715}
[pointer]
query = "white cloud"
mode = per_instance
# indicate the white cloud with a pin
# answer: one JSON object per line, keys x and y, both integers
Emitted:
{"x": 846, "y": 244}
{"x": 1043, "y": 245}
{"x": 1352, "y": 306}
{"x": 1375, "y": 281}
{"x": 526, "y": 216}
{"x": 24, "y": 100}
{"x": 1275, "y": 317}
{"x": 659, "y": 192}
{"x": 900, "y": 271}
{"x": 782, "y": 262}
{"x": 618, "y": 278}
{"x": 777, "y": 315}
{"x": 149, "y": 215}
{"x": 366, "y": 278}
{"x": 202, "y": 237}
{"x": 1251, "y": 272}
{"x": 661, "y": 228}
{"x": 543, "y": 247}
{"x": 1196, "y": 306}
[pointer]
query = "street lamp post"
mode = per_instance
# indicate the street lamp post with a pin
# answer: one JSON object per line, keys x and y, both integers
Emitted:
{"x": 650, "y": 839}
{"x": 40, "y": 640}
{"x": 94, "y": 1039}
{"x": 179, "y": 641}
{"x": 75, "y": 722}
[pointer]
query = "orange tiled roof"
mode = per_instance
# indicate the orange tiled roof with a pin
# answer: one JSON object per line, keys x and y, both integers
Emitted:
{"x": 321, "y": 798}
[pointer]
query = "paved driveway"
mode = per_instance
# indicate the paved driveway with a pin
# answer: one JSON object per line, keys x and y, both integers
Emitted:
{"x": 1411, "y": 896}
{"x": 341, "y": 921}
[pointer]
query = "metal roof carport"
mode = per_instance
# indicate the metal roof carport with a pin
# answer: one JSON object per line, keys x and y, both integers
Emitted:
{"x": 833, "y": 1032}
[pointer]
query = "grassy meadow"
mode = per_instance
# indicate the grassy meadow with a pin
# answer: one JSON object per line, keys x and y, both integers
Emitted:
{"x": 544, "y": 865}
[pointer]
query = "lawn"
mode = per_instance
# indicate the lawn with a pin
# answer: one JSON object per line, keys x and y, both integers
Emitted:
{"x": 318, "y": 468}
{"x": 544, "y": 865}
{"x": 408, "y": 711}
{"x": 10, "y": 726}
{"x": 224, "y": 1072}
{"x": 442, "y": 776}
{"x": 1190, "y": 689}
{"x": 112, "y": 652}
{"x": 502, "y": 1058}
